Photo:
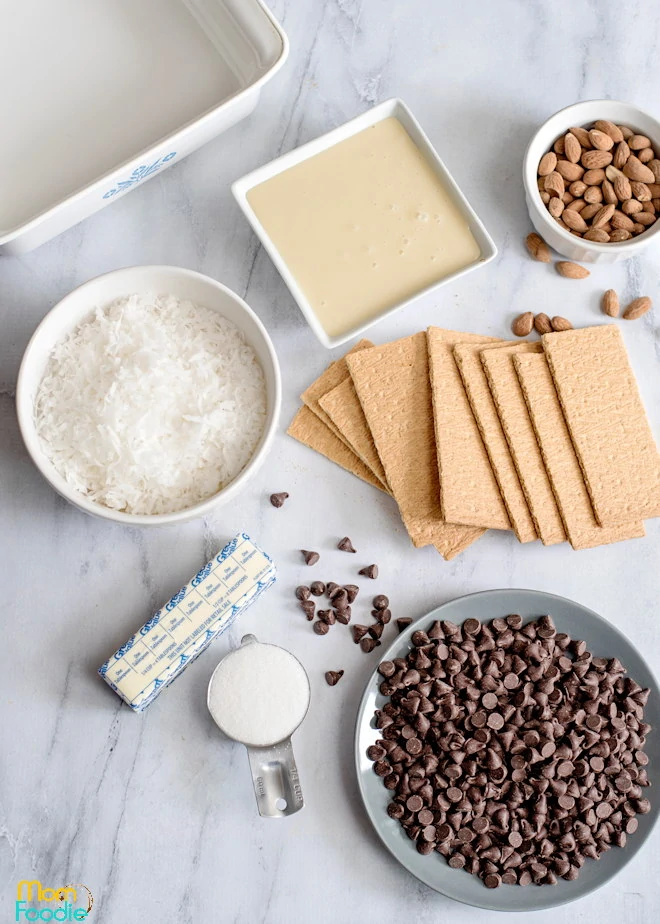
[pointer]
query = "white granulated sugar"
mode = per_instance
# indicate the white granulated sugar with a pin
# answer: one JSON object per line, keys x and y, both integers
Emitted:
{"x": 151, "y": 405}
{"x": 259, "y": 694}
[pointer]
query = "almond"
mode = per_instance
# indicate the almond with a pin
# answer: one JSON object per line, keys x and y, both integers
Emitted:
{"x": 547, "y": 163}
{"x": 612, "y": 173}
{"x": 600, "y": 140}
{"x": 602, "y": 216}
{"x": 654, "y": 189}
{"x": 570, "y": 172}
{"x": 593, "y": 194}
{"x": 559, "y": 323}
{"x": 571, "y": 270}
{"x": 619, "y": 220}
{"x": 654, "y": 166}
{"x": 619, "y": 235}
{"x": 656, "y": 204}
{"x": 637, "y": 308}
{"x": 621, "y": 154}
{"x": 594, "y": 177}
{"x": 578, "y": 187}
{"x": 592, "y": 160}
{"x": 590, "y": 210}
{"x": 634, "y": 169}
{"x": 537, "y": 247}
{"x": 572, "y": 148}
{"x": 637, "y": 142}
{"x": 566, "y": 198}
{"x": 597, "y": 235}
{"x": 523, "y": 324}
{"x": 610, "y": 303}
{"x": 554, "y": 184}
{"x": 555, "y": 207}
{"x": 645, "y": 218}
{"x": 582, "y": 136}
{"x": 608, "y": 192}
{"x": 631, "y": 206}
{"x": 615, "y": 133}
{"x": 645, "y": 155}
{"x": 577, "y": 205}
{"x": 626, "y": 132}
{"x": 648, "y": 207}
{"x": 574, "y": 220}
{"x": 558, "y": 146}
{"x": 638, "y": 228}
{"x": 641, "y": 192}
{"x": 542, "y": 324}
{"x": 622, "y": 188}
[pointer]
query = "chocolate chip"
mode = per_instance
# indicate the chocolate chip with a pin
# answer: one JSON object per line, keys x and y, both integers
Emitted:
{"x": 382, "y": 616}
{"x": 310, "y": 557}
{"x": 492, "y": 880}
{"x": 332, "y": 678}
{"x": 352, "y": 590}
{"x": 368, "y": 644}
{"x": 277, "y": 500}
{"x": 302, "y": 592}
{"x": 380, "y": 602}
{"x": 403, "y": 623}
{"x": 317, "y": 588}
{"x": 376, "y": 631}
{"x": 308, "y": 607}
{"x": 327, "y": 616}
{"x": 320, "y": 627}
{"x": 343, "y": 615}
{"x": 345, "y": 545}
{"x": 371, "y": 571}
{"x": 359, "y": 632}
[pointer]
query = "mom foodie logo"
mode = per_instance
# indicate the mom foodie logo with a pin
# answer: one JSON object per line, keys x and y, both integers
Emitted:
{"x": 29, "y": 892}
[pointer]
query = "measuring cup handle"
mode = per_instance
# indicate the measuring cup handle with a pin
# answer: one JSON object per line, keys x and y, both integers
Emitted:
{"x": 275, "y": 779}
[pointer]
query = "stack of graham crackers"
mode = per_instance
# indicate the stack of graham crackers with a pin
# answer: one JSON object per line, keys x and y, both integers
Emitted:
{"x": 549, "y": 439}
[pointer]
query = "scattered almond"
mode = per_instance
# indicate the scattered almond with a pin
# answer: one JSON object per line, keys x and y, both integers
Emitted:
{"x": 571, "y": 270}
{"x": 610, "y": 303}
{"x": 542, "y": 323}
{"x": 537, "y": 247}
{"x": 523, "y": 324}
{"x": 637, "y": 308}
{"x": 559, "y": 324}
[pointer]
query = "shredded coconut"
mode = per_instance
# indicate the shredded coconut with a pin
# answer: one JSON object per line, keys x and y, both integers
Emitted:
{"x": 151, "y": 404}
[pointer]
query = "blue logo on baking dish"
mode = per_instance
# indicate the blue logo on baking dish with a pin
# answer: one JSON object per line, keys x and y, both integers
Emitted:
{"x": 140, "y": 173}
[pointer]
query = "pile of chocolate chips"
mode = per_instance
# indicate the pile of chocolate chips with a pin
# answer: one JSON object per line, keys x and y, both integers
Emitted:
{"x": 511, "y": 750}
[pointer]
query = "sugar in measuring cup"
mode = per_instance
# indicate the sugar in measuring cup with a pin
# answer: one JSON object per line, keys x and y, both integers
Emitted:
{"x": 258, "y": 695}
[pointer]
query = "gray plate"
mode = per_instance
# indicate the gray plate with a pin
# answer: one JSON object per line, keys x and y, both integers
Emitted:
{"x": 603, "y": 640}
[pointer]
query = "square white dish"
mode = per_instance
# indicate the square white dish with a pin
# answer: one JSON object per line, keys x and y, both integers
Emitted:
{"x": 391, "y": 108}
{"x": 101, "y": 95}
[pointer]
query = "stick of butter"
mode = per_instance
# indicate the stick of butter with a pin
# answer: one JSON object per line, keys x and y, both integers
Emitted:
{"x": 181, "y": 630}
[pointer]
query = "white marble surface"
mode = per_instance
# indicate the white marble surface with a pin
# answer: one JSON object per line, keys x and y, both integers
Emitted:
{"x": 155, "y": 812}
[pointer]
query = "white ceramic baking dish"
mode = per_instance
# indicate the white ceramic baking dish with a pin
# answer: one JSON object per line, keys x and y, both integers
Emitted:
{"x": 99, "y": 96}
{"x": 392, "y": 107}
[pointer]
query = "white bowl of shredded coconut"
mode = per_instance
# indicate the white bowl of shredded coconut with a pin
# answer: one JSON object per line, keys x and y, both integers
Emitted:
{"x": 149, "y": 395}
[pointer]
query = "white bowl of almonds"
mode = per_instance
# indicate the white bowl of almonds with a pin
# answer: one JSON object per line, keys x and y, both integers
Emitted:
{"x": 592, "y": 181}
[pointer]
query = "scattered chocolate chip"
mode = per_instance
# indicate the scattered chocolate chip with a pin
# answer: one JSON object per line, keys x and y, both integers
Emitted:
{"x": 317, "y": 588}
{"x": 320, "y": 627}
{"x": 380, "y": 602}
{"x": 327, "y": 616}
{"x": 302, "y": 592}
{"x": 339, "y": 597}
{"x": 383, "y": 616}
{"x": 345, "y": 545}
{"x": 332, "y": 678}
{"x": 310, "y": 557}
{"x": 359, "y": 632}
{"x": 403, "y": 623}
{"x": 371, "y": 571}
{"x": 343, "y": 616}
{"x": 308, "y": 607}
{"x": 376, "y": 631}
{"x": 510, "y": 749}
{"x": 277, "y": 500}
{"x": 352, "y": 590}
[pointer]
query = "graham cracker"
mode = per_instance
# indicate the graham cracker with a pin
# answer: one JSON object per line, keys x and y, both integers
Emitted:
{"x": 307, "y": 428}
{"x": 607, "y": 422}
{"x": 333, "y": 375}
{"x": 469, "y": 493}
{"x": 485, "y": 413}
{"x": 560, "y": 460}
{"x": 343, "y": 407}
{"x": 517, "y": 425}
{"x": 393, "y": 386}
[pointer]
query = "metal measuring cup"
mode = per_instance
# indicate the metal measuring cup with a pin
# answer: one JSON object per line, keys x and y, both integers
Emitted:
{"x": 273, "y": 767}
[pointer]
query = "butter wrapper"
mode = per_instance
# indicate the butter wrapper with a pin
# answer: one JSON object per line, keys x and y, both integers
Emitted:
{"x": 182, "y": 629}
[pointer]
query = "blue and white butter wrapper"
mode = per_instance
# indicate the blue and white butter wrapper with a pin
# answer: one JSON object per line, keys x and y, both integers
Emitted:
{"x": 187, "y": 624}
